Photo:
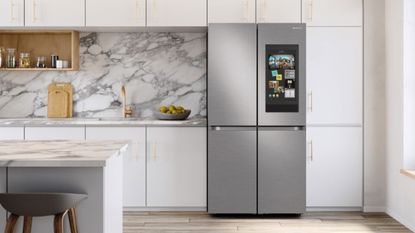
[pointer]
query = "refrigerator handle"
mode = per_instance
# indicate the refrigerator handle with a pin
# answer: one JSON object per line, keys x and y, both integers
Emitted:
{"x": 232, "y": 128}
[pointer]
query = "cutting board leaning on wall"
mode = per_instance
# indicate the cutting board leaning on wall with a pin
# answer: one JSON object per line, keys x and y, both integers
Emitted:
{"x": 60, "y": 100}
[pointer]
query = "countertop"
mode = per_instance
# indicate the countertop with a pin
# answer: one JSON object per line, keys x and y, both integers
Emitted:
{"x": 194, "y": 122}
{"x": 59, "y": 153}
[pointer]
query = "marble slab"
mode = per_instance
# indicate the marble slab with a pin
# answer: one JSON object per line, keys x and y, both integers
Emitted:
{"x": 59, "y": 153}
{"x": 149, "y": 122}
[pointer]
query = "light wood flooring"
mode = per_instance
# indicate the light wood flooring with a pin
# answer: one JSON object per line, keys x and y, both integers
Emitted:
{"x": 320, "y": 222}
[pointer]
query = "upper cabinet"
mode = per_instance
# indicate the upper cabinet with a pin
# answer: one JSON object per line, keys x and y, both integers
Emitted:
{"x": 176, "y": 13}
{"x": 110, "y": 13}
{"x": 231, "y": 11}
{"x": 332, "y": 12}
{"x": 11, "y": 13}
{"x": 53, "y": 13}
{"x": 279, "y": 11}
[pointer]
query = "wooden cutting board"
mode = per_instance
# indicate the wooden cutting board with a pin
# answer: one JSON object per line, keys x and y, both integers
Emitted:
{"x": 60, "y": 100}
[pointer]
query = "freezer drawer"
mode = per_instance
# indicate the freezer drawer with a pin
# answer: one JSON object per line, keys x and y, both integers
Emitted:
{"x": 232, "y": 74}
{"x": 281, "y": 170}
{"x": 232, "y": 170}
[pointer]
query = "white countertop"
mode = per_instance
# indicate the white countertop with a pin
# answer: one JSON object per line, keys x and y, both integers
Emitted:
{"x": 194, "y": 122}
{"x": 59, "y": 153}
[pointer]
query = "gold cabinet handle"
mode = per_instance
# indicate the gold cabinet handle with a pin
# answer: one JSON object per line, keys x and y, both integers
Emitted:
{"x": 12, "y": 6}
{"x": 137, "y": 9}
{"x": 154, "y": 151}
{"x": 310, "y": 144}
{"x": 35, "y": 5}
{"x": 246, "y": 10}
{"x": 310, "y": 104}
{"x": 310, "y": 11}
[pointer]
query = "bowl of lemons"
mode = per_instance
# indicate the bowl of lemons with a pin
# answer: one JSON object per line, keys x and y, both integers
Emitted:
{"x": 172, "y": 113}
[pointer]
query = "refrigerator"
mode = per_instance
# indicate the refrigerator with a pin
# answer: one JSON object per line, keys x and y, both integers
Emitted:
{"x": 256, "y": 118}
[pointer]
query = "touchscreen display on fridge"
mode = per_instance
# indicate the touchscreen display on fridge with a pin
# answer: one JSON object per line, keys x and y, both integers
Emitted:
{"x": 281, "y": 78}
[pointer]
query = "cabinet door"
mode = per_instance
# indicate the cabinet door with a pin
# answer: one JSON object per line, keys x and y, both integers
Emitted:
{"x": 176, "y": 167}
{"x": 333, "y": 12}
{"x": 62, "y": 13}
{"x": 11, "y": 13}
{"x": 231, "y": 11}
{"x": 11, "y": 133}
{"x": 279, "y": 11}
{"x": 107, "y": 13}
{"x": 334, "y": 167}
{"x": 334, "y": 75}
{"x": 172, "y": 13}
{"x": 134, "y": 161}
{"x": 55, "y": 133}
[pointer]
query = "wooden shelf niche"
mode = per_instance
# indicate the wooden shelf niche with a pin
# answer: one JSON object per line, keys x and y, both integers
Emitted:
{"x": 65, "y": 44}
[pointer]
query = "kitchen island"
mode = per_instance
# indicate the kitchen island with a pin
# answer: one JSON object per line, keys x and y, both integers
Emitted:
{"x": 90, "y": 167}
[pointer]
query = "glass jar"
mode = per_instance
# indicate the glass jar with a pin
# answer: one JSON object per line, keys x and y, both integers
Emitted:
{"x": 41, "y": 62}
{"x": 11, "y": 58}
{"x": 24, "y": 60}
{"x": 1, "y": 57}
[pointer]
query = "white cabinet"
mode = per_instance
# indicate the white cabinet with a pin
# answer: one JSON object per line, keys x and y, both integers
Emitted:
{"x": 107, "y": 13}
{"x": 334, "y": 167}
{"x": 231, "y": 11}
{"x": 11, "y": 133}
{"x": 134, "y": 175}
{"x": 11, "y": 13}
{"x": 176, "y": 168}
{"x": 55, "y": 133}
{"x": 279, "y": 11}
{"x": 174, "y": 13}
{"x": 334, "y": 75}
{"x": 55, "y": 13}
{"x": 333, "y": 12}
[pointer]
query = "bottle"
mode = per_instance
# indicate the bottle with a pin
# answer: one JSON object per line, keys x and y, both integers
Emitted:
{"x": 11, "y": 58}
{"x": 24, "y": 60}
{"x": 1, "y": 56}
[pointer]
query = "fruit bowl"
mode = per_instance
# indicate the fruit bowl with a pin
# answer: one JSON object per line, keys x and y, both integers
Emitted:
{"x": 166, "y": 116}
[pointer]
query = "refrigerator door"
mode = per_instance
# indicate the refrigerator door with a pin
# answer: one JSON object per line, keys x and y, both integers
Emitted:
{"x": 281, "y": 74}
{"x": 232, "y": 166}
{"x": 232, "y": 74}
{"x": 281, "y": 170}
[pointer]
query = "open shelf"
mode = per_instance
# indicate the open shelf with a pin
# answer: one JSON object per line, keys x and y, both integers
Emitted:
{"x": 65, "y": 44}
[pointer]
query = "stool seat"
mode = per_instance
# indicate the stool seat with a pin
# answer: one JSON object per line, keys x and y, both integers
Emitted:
{"x": 39, "y": 204}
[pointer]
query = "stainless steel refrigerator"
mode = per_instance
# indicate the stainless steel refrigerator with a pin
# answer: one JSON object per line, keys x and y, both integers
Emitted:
{"x": 256, "y": 118}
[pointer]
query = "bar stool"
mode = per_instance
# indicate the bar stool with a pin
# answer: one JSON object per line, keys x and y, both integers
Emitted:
{"x": 32, "y": 205}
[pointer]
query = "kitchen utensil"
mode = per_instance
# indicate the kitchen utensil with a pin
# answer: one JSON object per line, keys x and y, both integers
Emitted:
{"x": 53, "y": 59}
{"x": 60, "y": 100}
{"x": 179, "y": 116}
{"x": 41, "y": 62}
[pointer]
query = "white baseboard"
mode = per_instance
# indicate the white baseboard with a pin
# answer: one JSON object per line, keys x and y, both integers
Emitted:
{"x": 333, "y": 209}
{"x": 409, "y": 223}
{"x": 162, "y": 209}
{"x": 374, "y": 209}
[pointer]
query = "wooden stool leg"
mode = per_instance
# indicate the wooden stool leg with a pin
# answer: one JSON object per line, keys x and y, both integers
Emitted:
{"x": 11, "y": 222}
{"x": 72, "y": 220}
{"x": 27, "y": 224}
{"x": 58, "y": 222}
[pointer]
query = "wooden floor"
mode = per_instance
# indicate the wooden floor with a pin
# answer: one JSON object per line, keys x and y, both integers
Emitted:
{"x": 192, "y": 222}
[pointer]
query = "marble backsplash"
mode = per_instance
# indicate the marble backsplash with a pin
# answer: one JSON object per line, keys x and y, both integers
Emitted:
{"x": 156, "y": 68}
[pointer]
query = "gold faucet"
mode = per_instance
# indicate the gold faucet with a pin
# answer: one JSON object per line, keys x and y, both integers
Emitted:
{"x": 127, "y": 111}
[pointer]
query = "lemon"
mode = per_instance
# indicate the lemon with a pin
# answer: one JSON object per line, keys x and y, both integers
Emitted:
{"x": 163, "y": 109}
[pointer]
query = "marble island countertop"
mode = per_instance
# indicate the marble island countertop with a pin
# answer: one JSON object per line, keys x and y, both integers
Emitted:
{"x": 194, "y": 122}
{"x": 59, "y": 153}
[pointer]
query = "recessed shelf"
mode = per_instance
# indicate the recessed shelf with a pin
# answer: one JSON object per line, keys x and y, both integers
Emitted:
{"x": 36, "y": 69}
{"x": 65, "y": 44}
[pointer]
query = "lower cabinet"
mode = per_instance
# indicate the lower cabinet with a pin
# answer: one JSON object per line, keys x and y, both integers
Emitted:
{"x": 176, "y": 167}
{"x": 11, "y": 133}
{"x": 334, "y": 167}
{"x": 55, "y": 133}
{"x": 134, "y": 192}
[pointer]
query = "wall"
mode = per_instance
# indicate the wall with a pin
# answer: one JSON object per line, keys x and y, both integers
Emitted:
{"x": 374, "y": 102}
{"x": 157, "y": 68}
{"x": 400, "y": 198}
